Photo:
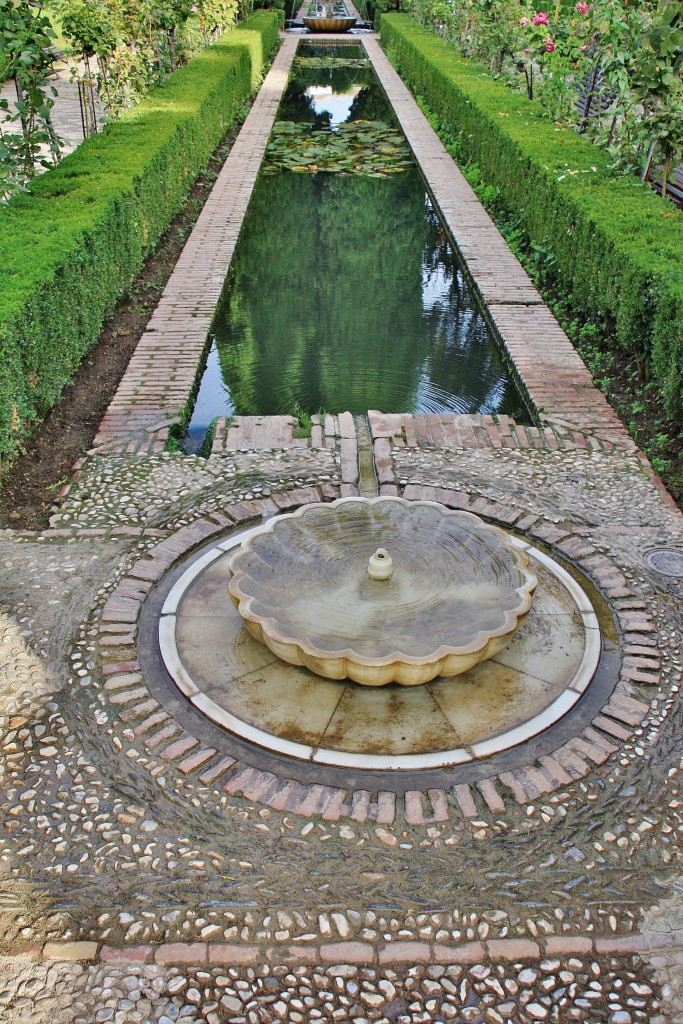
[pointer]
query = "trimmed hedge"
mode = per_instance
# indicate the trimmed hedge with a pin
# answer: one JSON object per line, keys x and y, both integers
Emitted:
{"x": 618, "y": 246}
{"x": 74, "y": 245}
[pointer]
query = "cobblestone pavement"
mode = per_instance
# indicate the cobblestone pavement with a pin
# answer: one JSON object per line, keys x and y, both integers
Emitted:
{"x": 581, "y": 989}
{"x": 192, "y": 893}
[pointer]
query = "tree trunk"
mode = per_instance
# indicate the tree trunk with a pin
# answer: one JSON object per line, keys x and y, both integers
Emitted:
{"x": 648, "y": 161}
{"x": 667, "y": 170}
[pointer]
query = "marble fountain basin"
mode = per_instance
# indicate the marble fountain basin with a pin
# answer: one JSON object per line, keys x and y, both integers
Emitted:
{"x": 459, "y": 590}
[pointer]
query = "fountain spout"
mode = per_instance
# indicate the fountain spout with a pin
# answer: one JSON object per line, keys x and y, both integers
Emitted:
{"x": 380, "y": 565}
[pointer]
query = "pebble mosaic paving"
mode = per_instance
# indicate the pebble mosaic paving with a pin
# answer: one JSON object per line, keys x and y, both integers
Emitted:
{"x": 517, "y": 897}
{"x": 151, "y": 875}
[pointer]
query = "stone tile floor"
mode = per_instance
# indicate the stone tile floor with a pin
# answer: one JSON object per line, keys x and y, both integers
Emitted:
{"x": 169, "y": 892}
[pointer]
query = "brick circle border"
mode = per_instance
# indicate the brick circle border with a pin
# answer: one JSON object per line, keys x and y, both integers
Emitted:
{"x": 425, "y": 800}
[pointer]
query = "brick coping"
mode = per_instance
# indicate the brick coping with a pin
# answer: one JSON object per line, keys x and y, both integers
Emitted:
{"x": 397, "y": 953}
{"x": 162, "y": 372}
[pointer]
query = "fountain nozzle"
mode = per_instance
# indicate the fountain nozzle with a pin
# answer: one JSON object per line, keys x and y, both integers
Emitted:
{"x": 380, "y": 565}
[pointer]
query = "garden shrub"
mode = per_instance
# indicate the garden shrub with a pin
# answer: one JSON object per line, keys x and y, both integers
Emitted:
{"x": 617, "y": 246}
{"x": 75, "y": 243}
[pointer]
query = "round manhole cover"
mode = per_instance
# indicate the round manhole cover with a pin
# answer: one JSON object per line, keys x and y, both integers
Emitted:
{"x": 667, "y": 561}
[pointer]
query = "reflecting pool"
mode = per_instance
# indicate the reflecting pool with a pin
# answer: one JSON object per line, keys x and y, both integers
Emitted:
{"x": 344, "y": 292}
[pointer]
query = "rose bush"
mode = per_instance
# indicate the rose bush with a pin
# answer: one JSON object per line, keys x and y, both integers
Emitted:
{"x": 629, "y": 54}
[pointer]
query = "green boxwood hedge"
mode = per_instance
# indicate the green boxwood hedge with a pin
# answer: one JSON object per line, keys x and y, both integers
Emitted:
{"x": 618, "y": 246}
{"x": 72, "y": 246}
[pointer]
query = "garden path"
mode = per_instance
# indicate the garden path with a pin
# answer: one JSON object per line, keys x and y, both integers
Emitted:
{"x": 154, "y": 871}
{"x": 66, "y": 113}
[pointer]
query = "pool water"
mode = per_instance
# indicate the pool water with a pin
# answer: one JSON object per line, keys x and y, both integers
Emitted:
{"x": 344, "y": 292}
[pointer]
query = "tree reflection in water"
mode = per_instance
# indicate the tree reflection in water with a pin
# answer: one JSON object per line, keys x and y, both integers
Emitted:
{"x": 344, "y": 294}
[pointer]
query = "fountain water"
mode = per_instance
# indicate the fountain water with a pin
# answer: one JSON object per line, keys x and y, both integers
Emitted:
{"x": 381, "y": 590}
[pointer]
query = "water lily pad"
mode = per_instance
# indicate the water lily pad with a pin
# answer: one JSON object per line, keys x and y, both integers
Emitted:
{"x": 330, "y": 62}
{"x": 356, "y": 147}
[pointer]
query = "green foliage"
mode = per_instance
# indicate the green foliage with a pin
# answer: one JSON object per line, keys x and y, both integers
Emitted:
{"x": 546, "y": 50}
{"x": 73, "y": 246}
{"x": 26, "y": 56}
{"x": 616, "y": 246}
{"x": 135, "y": 45}
{"x": 90, "y": 27}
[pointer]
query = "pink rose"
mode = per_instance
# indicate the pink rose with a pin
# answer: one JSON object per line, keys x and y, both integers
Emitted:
{"x": 194, "y": 9}
{"x": 524, "y": 22}
{"x": 582, "y": 8}
{"x": 541, "y": 18}
{"x": 549, "y": 45}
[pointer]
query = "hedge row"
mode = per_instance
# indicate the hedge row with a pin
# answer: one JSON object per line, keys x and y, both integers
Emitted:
{"x": 618, "y": 246}
{"x": 74, "y": 245}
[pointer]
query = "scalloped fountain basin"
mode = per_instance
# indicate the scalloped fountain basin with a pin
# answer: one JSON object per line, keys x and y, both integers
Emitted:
{"x": 458, "y": 591}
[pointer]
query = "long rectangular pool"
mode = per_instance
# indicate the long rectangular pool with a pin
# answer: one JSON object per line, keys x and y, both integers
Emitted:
{"x": 344, "y": 292}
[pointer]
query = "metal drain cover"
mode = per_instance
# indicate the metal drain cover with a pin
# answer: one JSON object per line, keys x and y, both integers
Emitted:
{"x": 667, "y": 561}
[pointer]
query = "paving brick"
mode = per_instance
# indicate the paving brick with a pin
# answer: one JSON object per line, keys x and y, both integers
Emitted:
{"x": 196, "y": 760}
{"x": 130, "y": 714}
{"x": 126, "y": 696}
{"x": 583, "y": 747}
{"x": 513, "y": 949}
{"x": 439, "y": 802}
{"x": 286, "y": 791}
{"x": 164, "y": 734}
{"x": 625, "y": 714}
{"x": 119, "y": 682}
{"x": 313, "y": 800}
{"x": 70, "y": 950}
{"x": 414, "y": 809}
{"x": 232, "y": 955}
{"x": 360, "y": 805}
{"x": 465, "y": 800}
{"x": 158, "y": 718}
{"x": 126, "y": 954}
{"x": 621, "y": 944}
{"x": 571, "y": 762}
{"x": 613, "y": 728}
{"x": 568, "y": 945}
{"x": 179, "y": 748}
{"x": 333, "y": 806}
{"x": 347, "y": 953}
{"x": 181, "y": 953}
{"x": 467, "y": 953}
{"x": 554, "y": 771}
{"x": 386, "y": 808}
{"x": 514, "y": 783}
{"x": 405, "y": 952}
{"x": 494, "y": 801}
{"x": 244, "y": 776}
{"x": 216, "y": 770}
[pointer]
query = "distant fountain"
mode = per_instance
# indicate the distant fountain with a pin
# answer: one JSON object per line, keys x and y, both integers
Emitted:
{"x": 328, "y": 17}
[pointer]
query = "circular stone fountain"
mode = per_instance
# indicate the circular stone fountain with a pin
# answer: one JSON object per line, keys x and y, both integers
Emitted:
{"x": 381, "y": 590}
{"x": 243, "y": 689}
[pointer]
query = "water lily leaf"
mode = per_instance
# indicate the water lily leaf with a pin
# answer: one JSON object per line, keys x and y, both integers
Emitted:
{"x": 356, "y": 147}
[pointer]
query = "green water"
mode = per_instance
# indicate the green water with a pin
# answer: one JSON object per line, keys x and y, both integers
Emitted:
{"x": 344, "y": 292}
